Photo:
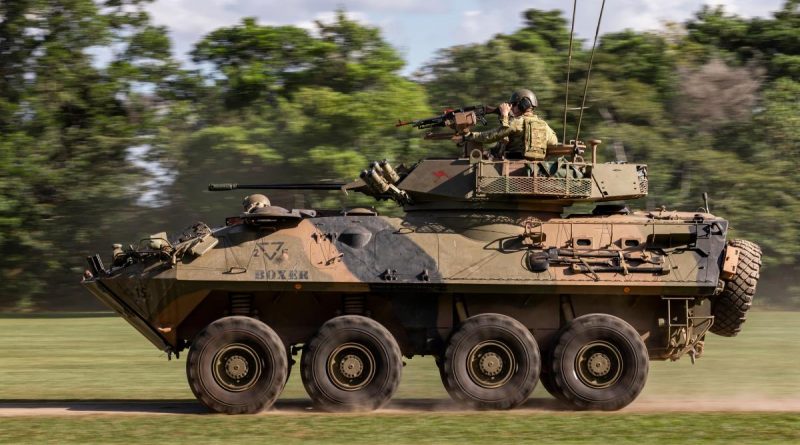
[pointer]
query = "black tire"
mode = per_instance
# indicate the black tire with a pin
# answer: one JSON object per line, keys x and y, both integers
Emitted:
{"x": 443, "y": 377}
{"x": 491, "y": 362}
{"x": 237, "y": 365}
{"x": 599, "y": 363}
{"x": 290, "y": 362}
{"x": 730, "y": 307}
{"x": 547, "y": 378}
{"x": 352, "y": 363}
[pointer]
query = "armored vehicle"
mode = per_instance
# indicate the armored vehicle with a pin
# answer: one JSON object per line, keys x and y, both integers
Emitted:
{"x": 486, "y": 272}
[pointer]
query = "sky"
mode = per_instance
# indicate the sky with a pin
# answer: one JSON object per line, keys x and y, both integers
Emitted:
{"x": 418, "y": 28}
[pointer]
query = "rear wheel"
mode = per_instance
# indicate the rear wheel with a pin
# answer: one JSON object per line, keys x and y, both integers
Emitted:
{"x": 547, "y": 378}
{"x": 599, "y": 363}
{"x": 730, "y": 307}
{"x": 352, "y": 364}
{"x": 237, "y": 365}
{"x": 491, "y": 362}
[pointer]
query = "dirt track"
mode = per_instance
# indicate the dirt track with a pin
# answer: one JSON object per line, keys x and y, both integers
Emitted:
{"x": 9, "y": 408}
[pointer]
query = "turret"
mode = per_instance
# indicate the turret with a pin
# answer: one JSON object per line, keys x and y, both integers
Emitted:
{"x": 478, "y": 183}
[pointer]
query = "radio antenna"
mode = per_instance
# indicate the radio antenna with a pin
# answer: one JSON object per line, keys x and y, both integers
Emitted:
{"x": 569, "y": 67}
{"x": 589, "y": 72}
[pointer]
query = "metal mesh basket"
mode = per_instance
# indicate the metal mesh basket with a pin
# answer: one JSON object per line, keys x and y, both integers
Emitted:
{"x": 532, "y": 185}
{"x": 643, "y": 184}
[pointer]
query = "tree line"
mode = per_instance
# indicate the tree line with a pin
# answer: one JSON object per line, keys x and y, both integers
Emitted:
{"x": 105, "y": 137}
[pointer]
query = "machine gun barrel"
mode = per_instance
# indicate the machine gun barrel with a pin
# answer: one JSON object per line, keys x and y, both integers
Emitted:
{"x": 320, "y": 186}
{"x": 446, "y": 118}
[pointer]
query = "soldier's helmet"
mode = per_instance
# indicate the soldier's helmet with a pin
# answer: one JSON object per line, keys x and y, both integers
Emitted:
{"x": 519, "y": 95}
{"x": 255, "y": 201}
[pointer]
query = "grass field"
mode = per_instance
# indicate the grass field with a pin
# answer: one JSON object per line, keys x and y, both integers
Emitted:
{"x": 62, "y": 359}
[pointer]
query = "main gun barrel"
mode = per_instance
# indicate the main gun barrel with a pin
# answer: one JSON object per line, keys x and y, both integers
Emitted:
{"x": 320, "y": 186}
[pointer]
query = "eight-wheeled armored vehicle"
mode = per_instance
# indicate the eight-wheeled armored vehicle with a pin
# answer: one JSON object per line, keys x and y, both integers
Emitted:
{"x": 485, "y": 271}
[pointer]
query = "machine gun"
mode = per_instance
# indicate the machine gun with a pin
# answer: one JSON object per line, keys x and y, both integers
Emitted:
{"x": 454, "y": 118}
{"x": 460, "y": 120}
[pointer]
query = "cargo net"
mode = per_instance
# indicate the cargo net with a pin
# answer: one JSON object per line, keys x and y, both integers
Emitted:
{"x": 530, "y": 181}
{"x": 643, "y": 184}
{"x": 534, "y": 186}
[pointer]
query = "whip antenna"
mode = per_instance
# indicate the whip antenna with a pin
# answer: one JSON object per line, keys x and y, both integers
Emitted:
{"x": 569, "y": 67}
{"x": 589, "y": 72}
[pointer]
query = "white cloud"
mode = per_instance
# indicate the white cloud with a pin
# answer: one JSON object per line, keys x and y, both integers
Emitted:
{"x": 476, "y": 26}
{"x": 185, "y": 16}
{"x": 420, "y": 27}
{"x": 189, "y": 20}
{"x": 330, "y": 17}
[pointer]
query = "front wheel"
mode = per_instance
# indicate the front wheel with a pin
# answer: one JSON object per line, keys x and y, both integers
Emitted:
{"x": 237, "y": 365}
{"x": 599, "y": 363}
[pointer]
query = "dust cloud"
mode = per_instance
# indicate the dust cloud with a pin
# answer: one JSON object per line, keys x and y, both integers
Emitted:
{"x": 398, "y": 406}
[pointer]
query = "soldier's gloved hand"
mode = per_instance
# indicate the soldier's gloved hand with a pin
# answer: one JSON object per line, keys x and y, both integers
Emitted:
{"x": 459, "y": 139}
{"x": 505, "y": 109}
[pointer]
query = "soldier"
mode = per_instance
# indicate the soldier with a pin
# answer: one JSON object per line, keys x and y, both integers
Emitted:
{"x": 252, "y": 203}
{"x": 528, "y": 136}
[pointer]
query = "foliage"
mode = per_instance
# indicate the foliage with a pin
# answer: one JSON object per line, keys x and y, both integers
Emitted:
{"x": 773, "y": 42}
{"x": 643, "y": 57}
{"x": 65, "y": 127}
{"x": 323, "y": 103}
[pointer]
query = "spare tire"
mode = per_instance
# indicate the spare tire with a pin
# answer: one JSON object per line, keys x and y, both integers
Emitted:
{"x": 730, "y": 307}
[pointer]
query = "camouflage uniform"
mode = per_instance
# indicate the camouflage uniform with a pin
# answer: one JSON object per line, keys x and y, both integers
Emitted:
{"x": 528, "y": 135}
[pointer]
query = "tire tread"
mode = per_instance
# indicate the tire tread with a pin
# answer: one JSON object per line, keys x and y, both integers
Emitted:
{"x": 219, "y": 327}
{"x": 730, "y": 307}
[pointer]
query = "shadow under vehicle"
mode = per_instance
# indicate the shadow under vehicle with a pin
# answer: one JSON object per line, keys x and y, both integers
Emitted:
{"x": 485, "y": 271}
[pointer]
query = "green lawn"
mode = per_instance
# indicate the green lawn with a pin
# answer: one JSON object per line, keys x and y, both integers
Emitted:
{"x": 473, "y": 428}
{"x": 103, "y": 359}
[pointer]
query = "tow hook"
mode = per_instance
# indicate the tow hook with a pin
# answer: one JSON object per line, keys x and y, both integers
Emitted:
{"x": 696, "y": 351}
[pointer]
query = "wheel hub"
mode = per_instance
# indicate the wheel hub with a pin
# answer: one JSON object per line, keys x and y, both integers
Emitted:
{"x": 491, "y": 364}
{"x": 351, "y": 366}
{"x": 599, "y": 364}
{"x": 236, "y": 367}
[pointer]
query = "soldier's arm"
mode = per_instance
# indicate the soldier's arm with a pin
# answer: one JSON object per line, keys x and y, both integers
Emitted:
{"x": 505, "y": 114}
{"x": 552, "y": 137}
{"x": 493, "y": 135}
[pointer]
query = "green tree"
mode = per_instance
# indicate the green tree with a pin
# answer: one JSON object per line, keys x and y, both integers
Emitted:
{"x": 253, "y": 63}
{"x": 773, "y": 42}
{"x": 545, "y": 33}
{"x": 320, "y": 105}
{"x": 484, "y": 72}
{"x": 644, "y": 57}
{"x": 65, "y": 129}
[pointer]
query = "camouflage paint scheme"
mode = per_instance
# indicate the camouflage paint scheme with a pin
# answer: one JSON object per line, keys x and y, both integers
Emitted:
{"x": 463, "y": 248}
